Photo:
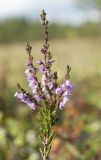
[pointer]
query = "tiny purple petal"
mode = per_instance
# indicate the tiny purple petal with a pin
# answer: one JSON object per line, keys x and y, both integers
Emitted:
{"x": 61, "y": 105}
{"x": 44, "y": 80}
{"x": 42, "y": 50}
{"x": 65, "y": 100}
{"x": 44, "y": 90}
{"x": 29, "y": 64}
{"x": 25, "y": 99}
{"x": 43, "y": 69}
{"x": 50, "y": 85}
{"x": 38, "y": 98}
{"x": 39, "y": 62}
{"x": 63, "y": 86}
{"x": 58, "y": 91}
{"x": 21, "y": 96}
{"x": 69, "y": 85}
{"x": 28, "y": 74}
{"x": 35, "y": 89}
{"x": 33, "y": 83}
{"x": 32, "y": 105}
{"x": 67, "y": 93}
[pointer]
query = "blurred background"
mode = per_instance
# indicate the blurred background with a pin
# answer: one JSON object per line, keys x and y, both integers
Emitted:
{"x": 75, "y": 38}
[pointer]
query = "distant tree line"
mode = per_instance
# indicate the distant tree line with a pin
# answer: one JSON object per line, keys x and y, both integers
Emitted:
{"x": 20, "y": 30}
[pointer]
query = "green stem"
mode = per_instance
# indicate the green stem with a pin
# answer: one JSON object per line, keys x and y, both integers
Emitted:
{"x": 47, "y": 120}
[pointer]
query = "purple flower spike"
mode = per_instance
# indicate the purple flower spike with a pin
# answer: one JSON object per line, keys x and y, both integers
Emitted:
{"x": 24, "y": 98}
{"x": 48, "y": 89}
{"x": 46, "y": 95}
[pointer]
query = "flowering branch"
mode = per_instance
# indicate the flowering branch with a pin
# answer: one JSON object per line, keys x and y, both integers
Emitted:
{"x": 47, "y": 96}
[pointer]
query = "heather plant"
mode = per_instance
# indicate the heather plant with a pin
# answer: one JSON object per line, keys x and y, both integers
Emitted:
{"x": 47, "y": 95}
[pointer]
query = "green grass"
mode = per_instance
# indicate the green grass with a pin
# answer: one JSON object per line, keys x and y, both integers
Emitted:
{"x": 84, "y": 56}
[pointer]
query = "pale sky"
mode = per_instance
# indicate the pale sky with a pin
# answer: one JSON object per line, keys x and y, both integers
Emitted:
{"x": 58, "y": 10}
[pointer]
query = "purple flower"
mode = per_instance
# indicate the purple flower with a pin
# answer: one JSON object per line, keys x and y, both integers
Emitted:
{"x": 33, "y": 82}
{"x": 44, "y": 90}
{"x": 39, "y": 62}
{"x": 42, "y": 50}
{"x": 67, "y": 93}
{"x": 50, "y": 85}
{"x": 38, "y": 98}
{"x": 44, "y": 80}
{"x": 63, "y": 102}
{"x": 69, "y": 85}
{"x": 20, "y": 95}
{"x": 48, "y": 90}
{"x": 61, "y": 105}
{"x": 43, "y": 69}
{"x": 32, "y": 79}
{"x": 28, "y": 74}
{"x": 58, "y": 91}
{"x": 35, "y": 90}
{"x": 67, "y": 89}
{"x": 24, "y": 98}
{"x": 63, "y": 86}
{"x": 32, "y": 105}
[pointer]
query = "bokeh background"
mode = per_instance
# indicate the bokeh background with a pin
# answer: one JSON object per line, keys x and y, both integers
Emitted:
{"x": 75, "y": 38}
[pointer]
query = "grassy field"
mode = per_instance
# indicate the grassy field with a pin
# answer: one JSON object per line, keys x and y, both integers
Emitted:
{"x": 84, "y": 56}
